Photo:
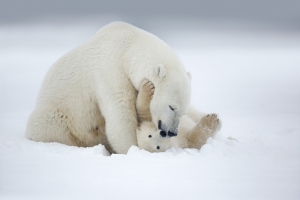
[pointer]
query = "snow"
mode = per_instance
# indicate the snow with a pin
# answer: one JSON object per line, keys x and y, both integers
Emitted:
{"x": 250, "y": 77}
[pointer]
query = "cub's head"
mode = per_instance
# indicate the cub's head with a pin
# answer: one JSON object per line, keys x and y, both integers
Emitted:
{"x": 149, "y": 138}
{"x": 171, "y": 99}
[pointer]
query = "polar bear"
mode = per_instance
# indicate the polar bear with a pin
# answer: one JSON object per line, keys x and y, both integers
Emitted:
{"x": 194, "y": 127}
{"x": 88, "y": 96}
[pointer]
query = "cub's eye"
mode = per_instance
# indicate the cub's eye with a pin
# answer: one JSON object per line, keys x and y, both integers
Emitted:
{"x": 171, "y": 108}
{"x": 150, "y": 136}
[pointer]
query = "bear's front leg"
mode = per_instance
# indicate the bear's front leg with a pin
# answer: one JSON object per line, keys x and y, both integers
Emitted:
{"x": 143, "y": 101}
{"x": 121, "y": 125}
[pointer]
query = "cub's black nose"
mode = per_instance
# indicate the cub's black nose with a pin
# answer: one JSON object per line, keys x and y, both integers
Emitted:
{"x": 171, "y": 134}
{"x": 163, "y": 133}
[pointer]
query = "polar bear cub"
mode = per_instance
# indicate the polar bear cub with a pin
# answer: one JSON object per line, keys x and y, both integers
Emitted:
{"x": 193, "y": 131}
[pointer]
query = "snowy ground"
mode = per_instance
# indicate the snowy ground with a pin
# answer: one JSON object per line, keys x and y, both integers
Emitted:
{"x": 250, "y": 77}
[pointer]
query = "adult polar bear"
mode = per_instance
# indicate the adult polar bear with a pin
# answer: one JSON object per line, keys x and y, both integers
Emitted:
{"x": 88, "y": 96}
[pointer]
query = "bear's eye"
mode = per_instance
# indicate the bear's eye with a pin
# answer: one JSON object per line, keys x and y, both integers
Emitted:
{"x": 171, "y": 108}
{"x": 158, "y": 147}
{"x": 150, "y": 136}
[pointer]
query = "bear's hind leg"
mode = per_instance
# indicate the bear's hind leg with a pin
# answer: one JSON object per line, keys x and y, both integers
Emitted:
{"x": 207, "y": 127}
{"x": 50, "y": 125}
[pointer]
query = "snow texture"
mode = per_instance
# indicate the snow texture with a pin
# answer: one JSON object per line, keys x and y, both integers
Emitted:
{"x": 250, "y": 77}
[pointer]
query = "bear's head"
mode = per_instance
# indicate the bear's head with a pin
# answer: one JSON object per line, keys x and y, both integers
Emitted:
{"x": 171, "y": 99}
{"x": 149, "y": 138}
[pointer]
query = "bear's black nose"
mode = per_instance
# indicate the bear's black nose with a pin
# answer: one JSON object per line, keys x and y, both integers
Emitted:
{"x": 163, "y": 133}
{"x": 171, "y": 134}
{"x": 158, "y": 147}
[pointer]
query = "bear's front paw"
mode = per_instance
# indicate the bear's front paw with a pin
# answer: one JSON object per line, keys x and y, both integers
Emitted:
{"x": 147, "y": 89}
{"x": 210, "y": 123}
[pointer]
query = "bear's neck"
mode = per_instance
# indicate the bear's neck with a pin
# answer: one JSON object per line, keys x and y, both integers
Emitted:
{"x": 137, "y": 74}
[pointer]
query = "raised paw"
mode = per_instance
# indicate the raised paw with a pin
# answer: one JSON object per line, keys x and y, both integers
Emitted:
{"x": 147, "y": 89}
{"x": 143, "y": 101}
{"x": 210, "y": 123}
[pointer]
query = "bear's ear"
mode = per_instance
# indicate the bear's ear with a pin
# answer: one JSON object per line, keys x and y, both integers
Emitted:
{"x": 160, "y": 71}
{"x": 189, "y": 75}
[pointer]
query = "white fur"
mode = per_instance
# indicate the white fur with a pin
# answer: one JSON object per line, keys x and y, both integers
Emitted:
{"x": 88, "y": 96}
{"x": 194, "y": 130}
{"x": 148, "y": 138}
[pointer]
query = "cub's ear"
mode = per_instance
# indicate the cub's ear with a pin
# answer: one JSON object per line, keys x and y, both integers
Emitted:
{"x": 160, "y": 71}
{"x": 189, "y": 75}
{"x": 138, "y": 131}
